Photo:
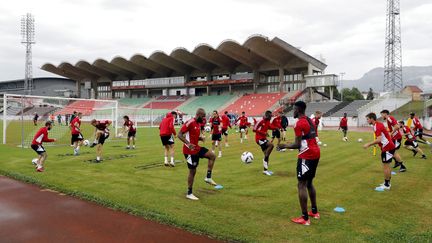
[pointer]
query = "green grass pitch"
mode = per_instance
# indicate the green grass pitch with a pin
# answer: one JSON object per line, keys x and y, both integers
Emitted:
{"x": 252, "y": 207}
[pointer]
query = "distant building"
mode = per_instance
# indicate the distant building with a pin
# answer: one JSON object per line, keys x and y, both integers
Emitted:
{"x": 414, "y": 91}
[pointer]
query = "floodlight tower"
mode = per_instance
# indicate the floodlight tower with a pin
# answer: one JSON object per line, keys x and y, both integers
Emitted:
{"x": 393, "y": 48}
{"x": 28, "y": 39}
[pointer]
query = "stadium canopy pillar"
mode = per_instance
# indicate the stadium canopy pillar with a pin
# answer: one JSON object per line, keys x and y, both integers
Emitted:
{"x": 94, "y": 87}
{"x": 148, "y": 93}
{"x": 78, "y": 88}
{"x": 230, "y": 89}
{"x": 256, "y": 79}
{"x": 281, "y": 79}
{"x": 331, "y": 93}
{"x": 208, "y": 90}
{"x": 129, "y": 92}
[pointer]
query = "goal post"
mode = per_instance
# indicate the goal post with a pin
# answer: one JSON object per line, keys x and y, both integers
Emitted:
{"x": 23, "y": 115}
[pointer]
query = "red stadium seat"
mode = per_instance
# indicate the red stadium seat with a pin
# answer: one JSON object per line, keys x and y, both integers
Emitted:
{"x": 255, "y": 104}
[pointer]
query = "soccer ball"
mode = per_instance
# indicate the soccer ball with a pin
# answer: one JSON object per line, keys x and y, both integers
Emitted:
{"x": 344, "y": 139}
{"x": 120, "y": 135}
{"x": 247, "y": 157}
{"x": 319, "y": 143}
{"x": 360, "y": 140}
{"x": 34, "y": 161}
{"x": 86, "y": 142}
{"x": 242, "y": 130}
{"x": 325, "y": 145}
{"x": 207, "y": 128}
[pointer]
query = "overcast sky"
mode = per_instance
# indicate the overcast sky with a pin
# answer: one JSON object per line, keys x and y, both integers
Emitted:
{"x": 348, "y": 34}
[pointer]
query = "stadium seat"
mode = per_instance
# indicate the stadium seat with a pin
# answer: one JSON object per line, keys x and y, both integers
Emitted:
{"x": 209, "y": 103}
{"x": 255, "y": 104}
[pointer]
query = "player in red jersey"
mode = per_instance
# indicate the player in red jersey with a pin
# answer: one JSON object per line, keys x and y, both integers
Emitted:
{"x": 343, "y": 125}
{"x": 410, "y": 142}
{"x": 190, "y": 135}
{"x": 216, "y": 128}
{"x": 101, "y": 134}
{"x": 243, "y": 126}
{"x": 316, "y": 121}
{"x": 77, "y": 137}
{"x": 40, "y": 137}
{"x": 388, "y": 148}
{"x": 277, "y": 127}
{"x": 167, "y": 134}
{"x": 260, "y": 129}
{"x": 307, "y": 162}
{"x": 418, "y": 128}
{"x": 129, "y": 127}
{"x": 396, "y": 135}
{"x": 226, "y": 122}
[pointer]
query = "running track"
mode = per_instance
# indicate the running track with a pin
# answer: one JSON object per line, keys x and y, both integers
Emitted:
{"x": 31, "y": 214}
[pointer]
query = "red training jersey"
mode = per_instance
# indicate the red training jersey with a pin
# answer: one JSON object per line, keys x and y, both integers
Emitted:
{"x": 243, "y": 121}
{"x": 225, "y": 122}
{"x": 103, "y": 126}
{"x": 343, "y": 122}
{"x": 277, "y": 123}
{"x": 261, "y": 128}
{"x": 166, "y": 127}
{"x": 309, "y": 148}
{"x": 192, "y": 131}
{"x": 41, "y": 136}
{"x": 130, "y": 125}
{"x": 75, "y": 125}
{"x": 395, "y": 134}
{"x": 408, "y": 133}
{"x": 215, "y": 123}
{"x": 417, "y": 124}
{"x": 386, "y": 143}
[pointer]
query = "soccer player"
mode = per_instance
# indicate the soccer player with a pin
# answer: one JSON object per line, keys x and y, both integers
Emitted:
{"x": 167, "y": 133}
{"x": 343, "y": 124}
{"x": 129, "y": 126}
{"x": 190, "y": 135}
{"x": 52, "y": 119}
{"x": 40, "y": 137}
{"x": 418, "y": 128}
{"x": 284, "y": 123}
{"x": 388, "y": 148}
{"x": 393, "y": 127}
{"x": 307, "y": 162}
{"x": 216, "y": 127}
{"x": 226, "y": 122}
{"x": 410, "y": 142}
{"x": 59, "y": 119}
{"x": 71, "y": 119}
{"x": 101, "y": 134}
{"x": 243, "y": 122}
{"x": 77, "y": 137}
{"x": 35, "y": 118}
{"x": 260, "y": 129}
{"x": 277, "y": 126}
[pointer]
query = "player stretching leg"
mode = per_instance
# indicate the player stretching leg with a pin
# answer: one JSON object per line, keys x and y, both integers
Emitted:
{"x": 101, "y": 134}
{"x": 387, "y": 146}
{"x": 225, "y": 124}
{"x": 396, "y": 136}
{"x": 410, "y": 142}
{"x": 129, "y": 126}
{"x": 260, "y": 129}
{"x": 307, "y": 163}
{"x": 77, "y": 137}
{"x": 40, "y": 137}
{"x": 216, "y": 127}
{"x": 190, "y": 135}
{"x": 418, "y": 129}
{"x": 167, "y": 133}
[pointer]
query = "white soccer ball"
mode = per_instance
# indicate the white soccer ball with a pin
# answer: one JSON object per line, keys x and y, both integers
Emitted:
{"x": 319, "y": 143}
{"x": 86, "y": 142}
{"x": 242, "y": 130}
{"x": 360, "y": 140}
{"x": 344, "y": 139}
{"x": 207, "y": 128}
{"x": 325, "y": 145}
{"x": 247, "y": 157}
{"x": 34, "y": 161}
{"x": 120, "y": 135}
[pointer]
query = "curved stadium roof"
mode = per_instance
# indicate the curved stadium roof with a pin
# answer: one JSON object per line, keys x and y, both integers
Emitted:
{"x": 258, "y": 53}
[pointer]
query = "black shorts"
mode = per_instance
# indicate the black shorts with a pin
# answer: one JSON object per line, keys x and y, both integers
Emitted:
{"x": 243, "y": 127}
{"x": 306, "y": 169}
{"x": 264, "y": 144}
{"x": 77, "y": 137}
{"x": 131, "y": 134}
{"x": 284, "y": 128}
{"x": 216, "y": 137}
{"x": 39, "y": 149}
{"x": 193, "y": 159}
{"x": 344, "y": 129}
{"x": 411, "y": 143}
{"x": 276, "y": 133}
{"x": 103, "y": 137}
{"x": 419, "y": 133}
{"x": 167, "y": 140}
{"x": 386, "y": 157}
{"x": 397, "y": 143}
{"x": 225, "y": 131}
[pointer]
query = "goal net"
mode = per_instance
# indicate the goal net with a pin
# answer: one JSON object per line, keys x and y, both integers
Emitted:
{"x": 23, "y": 115}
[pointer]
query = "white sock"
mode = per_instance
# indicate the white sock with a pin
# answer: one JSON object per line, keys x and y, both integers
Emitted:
{"x": 166, "y": 159}
{"x": 97, "y": 158}
{"x": 172, "y": 160}
{"x": 133, "y": 146}
{"x": 265, "y": 164}
{"x": 220, "y": 152}
{"x": 241, "y": 140}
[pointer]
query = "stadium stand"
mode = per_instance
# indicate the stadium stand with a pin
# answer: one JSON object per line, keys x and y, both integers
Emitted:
{"x": 254, "y": 104}
{"x": 41, "y": 111}
{"x": 318, "y": 106}
{"x": 166, "y": 102}
{"x": 133, "y": 102}
{"x": 86, "y": 107}
{"x": 209, "y": 103}
{"x": 351, "y": 109}
{"x": 338, "y": 107}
